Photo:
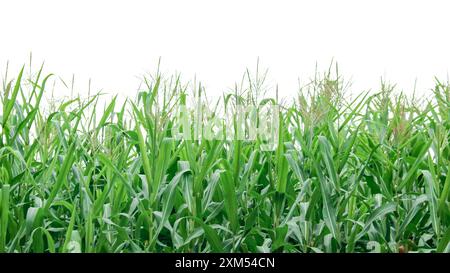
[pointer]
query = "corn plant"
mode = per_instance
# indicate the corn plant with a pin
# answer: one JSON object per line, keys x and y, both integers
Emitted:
{"x": 369, "y": 173}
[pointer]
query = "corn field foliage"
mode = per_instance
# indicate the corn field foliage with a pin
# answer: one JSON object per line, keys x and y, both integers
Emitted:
{"x": 364, "y": 173}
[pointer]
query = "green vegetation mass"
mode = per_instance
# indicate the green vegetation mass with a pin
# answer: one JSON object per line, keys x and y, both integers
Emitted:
{"x": 368, "y": 173}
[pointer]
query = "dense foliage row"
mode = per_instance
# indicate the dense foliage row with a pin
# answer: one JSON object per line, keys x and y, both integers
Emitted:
{"x": 348, "y": 175}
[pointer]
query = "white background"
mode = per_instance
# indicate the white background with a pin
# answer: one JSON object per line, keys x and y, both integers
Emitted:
{"x": 114, "y": 42}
